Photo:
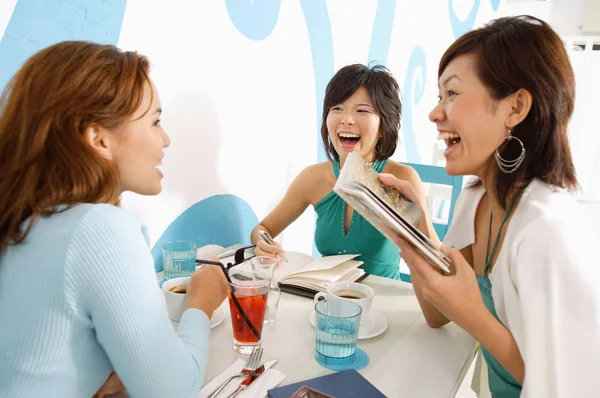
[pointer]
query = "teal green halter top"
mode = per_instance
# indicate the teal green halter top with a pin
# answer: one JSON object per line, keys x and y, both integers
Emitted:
{"x": 380, "y": 256}
{"x": 502, "y": 384}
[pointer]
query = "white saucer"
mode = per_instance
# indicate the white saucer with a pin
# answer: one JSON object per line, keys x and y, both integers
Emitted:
{"x": 377, "y": 325}
{"x": 217, "y": 318}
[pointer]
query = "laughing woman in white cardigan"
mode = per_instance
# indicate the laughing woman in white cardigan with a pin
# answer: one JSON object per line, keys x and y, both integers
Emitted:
{"x": 526, "y": 271}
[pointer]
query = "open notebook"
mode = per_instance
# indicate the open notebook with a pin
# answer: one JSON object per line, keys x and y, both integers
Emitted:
{"x": 306, "y": 276}
{"x": 385, "y": 208}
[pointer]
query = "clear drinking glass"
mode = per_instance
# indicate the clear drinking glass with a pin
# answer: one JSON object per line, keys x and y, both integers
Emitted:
{"x": 336, "y": 329}
{"x": 179, "y": 259}
{"x": 267, "y": 266}
{"x": 247, "y": 304}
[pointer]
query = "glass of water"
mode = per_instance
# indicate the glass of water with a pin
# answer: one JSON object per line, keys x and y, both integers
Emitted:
{"x": 336, "y": 328}
{"x": 179, "y": 259}
{"x": 266, "y": 265}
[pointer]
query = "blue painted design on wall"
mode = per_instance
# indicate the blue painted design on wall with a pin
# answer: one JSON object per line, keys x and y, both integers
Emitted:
{"x": 461, "y": 27}
{"x": 495, "y": 4}
{"x": 321, "y": 47}
{"x": 413, "y": 96}
{"x": 220, "y": 219}
{"x": 254, "y": 19}
{"x": 36, "y": 24}
{"x": 382, "y": 31}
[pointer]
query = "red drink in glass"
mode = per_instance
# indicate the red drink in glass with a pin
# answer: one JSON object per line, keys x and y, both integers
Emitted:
{"x": 254, "y": 307}
{"x": 250, "y": 289}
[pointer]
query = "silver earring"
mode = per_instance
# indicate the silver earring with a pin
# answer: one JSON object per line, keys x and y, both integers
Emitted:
{"x": 509, "y": 166}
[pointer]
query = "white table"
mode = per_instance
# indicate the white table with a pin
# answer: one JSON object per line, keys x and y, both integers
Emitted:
{"x": 409, "y": 359}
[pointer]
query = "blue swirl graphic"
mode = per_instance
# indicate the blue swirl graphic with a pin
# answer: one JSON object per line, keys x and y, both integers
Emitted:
{"x": 321, "y": 47}
{"x": 254, "y": 19}
{"x": 36, "y": 24}
{"x": 495, "y": 4}
{"x": 461, "y": 27}
{"x": 417, "y": 60}
{"x": 382, "y": 31}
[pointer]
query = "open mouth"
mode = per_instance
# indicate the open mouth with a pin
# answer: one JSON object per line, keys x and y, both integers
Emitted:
{"x": 349, "y": 139}
{"x": 451, "y": 139}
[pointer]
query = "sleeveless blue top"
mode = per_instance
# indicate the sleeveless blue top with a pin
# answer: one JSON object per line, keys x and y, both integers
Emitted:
{"x": 380, "y": 256}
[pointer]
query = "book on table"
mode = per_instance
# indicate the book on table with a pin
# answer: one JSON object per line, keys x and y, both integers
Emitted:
{"x": 390, "y": 212}
{"x": 309, "y": 276}
{"x": 347, "y": 383}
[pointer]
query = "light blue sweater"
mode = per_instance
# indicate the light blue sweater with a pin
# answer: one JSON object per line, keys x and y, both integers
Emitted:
{"x": 79, "y": 298}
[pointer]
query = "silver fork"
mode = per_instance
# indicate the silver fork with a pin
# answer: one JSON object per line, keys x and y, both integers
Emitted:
{"x": 251, "y": 365}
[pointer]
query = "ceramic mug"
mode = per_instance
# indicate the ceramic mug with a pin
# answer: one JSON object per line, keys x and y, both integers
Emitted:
{"x": 356, "y": 292}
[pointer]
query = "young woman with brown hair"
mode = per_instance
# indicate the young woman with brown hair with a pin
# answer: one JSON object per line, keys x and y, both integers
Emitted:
{"x": 79, "y": 125}
{"x": 525, "y": 280}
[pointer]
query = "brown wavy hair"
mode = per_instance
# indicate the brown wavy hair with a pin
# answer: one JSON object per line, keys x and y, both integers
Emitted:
{"x": 44, "y": 112}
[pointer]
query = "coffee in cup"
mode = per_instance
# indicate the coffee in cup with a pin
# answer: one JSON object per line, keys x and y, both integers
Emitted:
{"x": 175, "y": 292}
{"x": 358, "y": 293}
{"x": 181, "y": 289}
{"x": 350, "y": 294}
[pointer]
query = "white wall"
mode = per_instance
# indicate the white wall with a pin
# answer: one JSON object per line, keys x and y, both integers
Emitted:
{"x": 241, "y": 113}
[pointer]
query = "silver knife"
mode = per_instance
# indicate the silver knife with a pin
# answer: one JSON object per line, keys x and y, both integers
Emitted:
{"x": 252, "y": 378}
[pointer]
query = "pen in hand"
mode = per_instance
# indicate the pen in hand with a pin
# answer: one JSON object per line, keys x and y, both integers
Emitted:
{"x": 267, "y": 238}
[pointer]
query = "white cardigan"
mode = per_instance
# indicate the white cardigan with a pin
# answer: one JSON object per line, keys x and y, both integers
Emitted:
{"x": 545, "y": 285}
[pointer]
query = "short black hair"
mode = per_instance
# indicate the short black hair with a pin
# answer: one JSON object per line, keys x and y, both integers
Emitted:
{"x": 385, "y": 97}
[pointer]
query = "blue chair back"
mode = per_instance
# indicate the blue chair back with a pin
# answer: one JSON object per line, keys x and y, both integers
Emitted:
{"x": 438, "y": 176}
{"x": 221, "y": 220}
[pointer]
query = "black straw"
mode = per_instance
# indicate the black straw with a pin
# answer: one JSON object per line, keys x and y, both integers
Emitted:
{"x": 235, "y": 300}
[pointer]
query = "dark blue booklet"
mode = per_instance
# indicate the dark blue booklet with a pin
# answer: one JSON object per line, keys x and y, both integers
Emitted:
{"x": 347, "y": 384}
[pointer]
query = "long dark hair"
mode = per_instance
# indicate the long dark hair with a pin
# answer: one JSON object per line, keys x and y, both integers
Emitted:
{"x": 524, "y": 52}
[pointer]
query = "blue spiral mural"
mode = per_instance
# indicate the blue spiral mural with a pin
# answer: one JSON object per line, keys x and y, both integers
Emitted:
{"x": 413, "y": 96}
{"x": 382, "y": 31}
{"x": 254, "y": 19}
{"x": 321, "y": 48}
{"x": 460, "y": 27}
{"x": 36, "y": 24}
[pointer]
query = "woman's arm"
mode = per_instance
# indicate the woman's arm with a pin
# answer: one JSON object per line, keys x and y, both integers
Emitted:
{"x": 415, "y": 192}
{"x": 111, "y": 285}
{"x": 293, "y": 204}
{"x": 498, "y": 340}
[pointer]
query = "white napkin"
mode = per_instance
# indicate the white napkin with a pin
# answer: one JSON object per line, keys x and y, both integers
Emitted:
{"x": 257, "y": 389}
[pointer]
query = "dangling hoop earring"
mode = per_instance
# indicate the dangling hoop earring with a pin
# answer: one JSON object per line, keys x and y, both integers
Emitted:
{"x": 509, "y": 166}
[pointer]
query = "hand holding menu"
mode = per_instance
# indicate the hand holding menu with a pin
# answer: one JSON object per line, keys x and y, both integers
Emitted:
{"x": 390, "y": 212}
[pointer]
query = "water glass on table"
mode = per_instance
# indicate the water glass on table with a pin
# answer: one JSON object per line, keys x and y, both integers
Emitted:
{"x": 179, "y": 259}
{"x": 336, "y": 328}
{"x": 247, "y": 304}
{"x": 267, "y": 266}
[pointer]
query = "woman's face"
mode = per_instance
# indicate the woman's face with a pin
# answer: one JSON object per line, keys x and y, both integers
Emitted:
{"x": 353, "y": 126}
{"x": 468, "y": 119}
{"x": 138, "y": 149}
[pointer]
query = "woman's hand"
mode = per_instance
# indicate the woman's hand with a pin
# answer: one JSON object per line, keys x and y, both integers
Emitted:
{"x": 111, "y": 386}
{"x": 264, "y": 249}
{"x": 207, "y": 289}
{"x": 406, "y": 189}
{"x": 456, "y": 296}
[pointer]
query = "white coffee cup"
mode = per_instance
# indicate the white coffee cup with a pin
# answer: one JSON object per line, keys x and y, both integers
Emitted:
{"x": 352, "y": 291}
{"x": 175, "y": 301}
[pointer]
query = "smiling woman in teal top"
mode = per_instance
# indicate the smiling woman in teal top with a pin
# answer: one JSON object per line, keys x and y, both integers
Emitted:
{"x": 361, "y": 113}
